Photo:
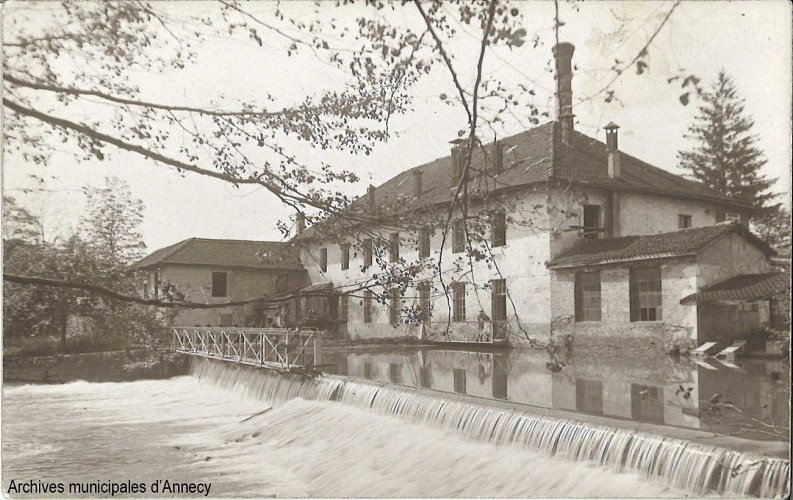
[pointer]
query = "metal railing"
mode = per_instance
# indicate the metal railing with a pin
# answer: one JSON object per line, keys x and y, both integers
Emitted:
{"x": 469, "y": 332}
{"x": 267, "y": 347}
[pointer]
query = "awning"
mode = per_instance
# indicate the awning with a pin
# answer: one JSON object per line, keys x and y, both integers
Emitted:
{"x": 742, "y": 288}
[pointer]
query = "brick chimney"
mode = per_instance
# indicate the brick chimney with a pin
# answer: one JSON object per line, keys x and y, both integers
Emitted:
{"x": 613, "y": 150}
{"x": 417, "y": 188}
{"x": 300, "y": 222}
{"x": 370, "y": 196}
{"x": 563, "y": 54}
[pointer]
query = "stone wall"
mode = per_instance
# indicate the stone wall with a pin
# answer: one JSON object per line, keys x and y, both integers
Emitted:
{"x": 615, "y": 330}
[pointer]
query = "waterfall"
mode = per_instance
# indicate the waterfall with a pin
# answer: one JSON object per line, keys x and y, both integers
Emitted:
{"x": 683, "y": 464}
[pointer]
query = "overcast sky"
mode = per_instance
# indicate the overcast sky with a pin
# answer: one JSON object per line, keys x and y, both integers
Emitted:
{"x": 749, "y": 40}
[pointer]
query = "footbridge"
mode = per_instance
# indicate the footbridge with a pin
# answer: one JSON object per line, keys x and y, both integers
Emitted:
{"x": 277, "y": 348}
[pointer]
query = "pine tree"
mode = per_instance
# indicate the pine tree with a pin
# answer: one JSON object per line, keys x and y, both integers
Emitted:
{"x": 726, "y": 157}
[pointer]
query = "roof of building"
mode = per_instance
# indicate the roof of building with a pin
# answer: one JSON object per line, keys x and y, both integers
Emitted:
{"x": 536, "y": 156}
{"x": 745, "y": 288}
{"x": 655, "y": 246}
{"x": 225, "y": 253}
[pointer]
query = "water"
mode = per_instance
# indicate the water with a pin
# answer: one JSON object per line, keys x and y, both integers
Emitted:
{"x": 187, "y": 430}
{"x": 257, "y": 433}
{"x": 657, "y": 391}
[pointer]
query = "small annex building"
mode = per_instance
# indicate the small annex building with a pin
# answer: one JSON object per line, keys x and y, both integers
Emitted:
{"x": 213, "y": 271}
{"x": 645, "y": 288}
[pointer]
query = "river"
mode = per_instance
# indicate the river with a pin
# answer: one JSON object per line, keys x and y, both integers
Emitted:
{"x": 235, "y": 433}
{"x": 184, "y": 430}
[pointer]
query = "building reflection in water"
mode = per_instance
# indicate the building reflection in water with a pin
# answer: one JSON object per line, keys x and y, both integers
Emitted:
{"x": 658, "y": 391}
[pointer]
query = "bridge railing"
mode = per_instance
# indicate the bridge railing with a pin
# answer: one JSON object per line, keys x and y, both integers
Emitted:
{"x": 469, "y": 332}
{"x": 269, "y": 347}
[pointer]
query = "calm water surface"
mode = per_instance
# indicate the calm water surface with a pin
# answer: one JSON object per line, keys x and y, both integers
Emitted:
{"x": 665, "y": 391}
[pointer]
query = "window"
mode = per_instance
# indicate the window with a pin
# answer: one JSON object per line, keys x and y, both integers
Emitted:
{"x": 647, "y": 403}
{"x": 345, "y": 256}
{"x": 498, "y": 157}
{"x": 458, "y": 164}
{"x": 589, "y": 396}
{"x": 645, "y": 292}
{"x": 367, "y": 306}
{"x": 395, "y": 307}
{"x": 323, "y": 259}
{"x": 424, "y": 243}
{"x": 368, "y": 372}
{"x": 157, "y": 285}
{"x": 425, "y": 305}
{"x": 591, "y": 221}
{"x": 458, "y": 236}
{"x": 145, "y": 290}
{"x": 395, "y": 373}
{"x": 425, "y": 376}
{"x": 499, "y": 306}
{"x": 220, "y": 281}
{"x": 459, "y": 380}
{"x": 587, "y": 296}
{"x": 500, "y": 377}
{"x": 733, "y": 217}
{"x": 458, "y": 302}
{"x": 498, "y": 229}
{"x": 344, "y": 306}
{"x": 281, "y": 283}
{"x": 683, "y": 221}
{"x": 367, "y": 252}
{"x": 226, "y": 320}
{"x": 394, "y": 247}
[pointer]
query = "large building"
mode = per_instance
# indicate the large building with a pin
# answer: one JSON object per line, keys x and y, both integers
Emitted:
{"x": 553, "y": 233}
{"x": 583, "y": 239}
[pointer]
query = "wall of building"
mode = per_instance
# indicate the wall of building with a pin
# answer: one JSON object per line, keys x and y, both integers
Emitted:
{"x": 196, "y": 283}
{"x": 678, "y": 280}
{"x": 637, "y": 214}
{"x": 522, "y": 262}
{"x": 646, "y": 214}
{"x": 730, "y": 256}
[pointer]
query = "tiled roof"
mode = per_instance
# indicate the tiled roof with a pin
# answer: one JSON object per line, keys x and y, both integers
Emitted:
{"x": 226, "y": 253}
{"x": 536, "y": 156}
{"x": 746, "y": 287}
{"x": 654, "y": 246}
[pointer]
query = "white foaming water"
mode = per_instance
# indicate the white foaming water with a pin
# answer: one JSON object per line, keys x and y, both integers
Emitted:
{"x": 689, "y": 466}
{"x": 320, "y": 449}
{"x": 186, "y": 430}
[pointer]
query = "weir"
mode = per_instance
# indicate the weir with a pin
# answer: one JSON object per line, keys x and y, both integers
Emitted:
{"x": 687, "y": 465}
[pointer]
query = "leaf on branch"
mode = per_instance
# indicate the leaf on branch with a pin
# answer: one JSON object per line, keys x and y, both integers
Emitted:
{"x": 684, "y": 99}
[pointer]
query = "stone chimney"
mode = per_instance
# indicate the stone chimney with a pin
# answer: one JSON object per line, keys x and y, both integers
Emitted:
{"x": 300, "y": 222}
{"x": 563, "y": 54}
{"x": 613, "y": 150}
{"x": 370, "y": 196}
{"x": 417, "y": 188}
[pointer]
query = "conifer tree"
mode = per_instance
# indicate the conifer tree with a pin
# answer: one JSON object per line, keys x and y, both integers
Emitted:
{"x": 726, "y": 157}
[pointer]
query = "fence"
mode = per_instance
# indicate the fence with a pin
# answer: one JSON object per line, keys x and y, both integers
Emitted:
{"x": 469, "y": 332}
{"x": 267, "y": 347}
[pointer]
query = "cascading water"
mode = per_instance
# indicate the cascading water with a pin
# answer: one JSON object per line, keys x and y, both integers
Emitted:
{"x": 686, "y": 465}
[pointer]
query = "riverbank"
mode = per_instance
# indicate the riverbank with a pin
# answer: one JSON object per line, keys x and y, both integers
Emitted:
{"x": 109, "y": 366}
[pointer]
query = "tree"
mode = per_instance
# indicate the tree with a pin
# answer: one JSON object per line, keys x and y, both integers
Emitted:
{"x": 773, "y": 227}
{"x": 726, "y": 157}
{"x": 387, "y": 47}
{"x": 112, "y": 223}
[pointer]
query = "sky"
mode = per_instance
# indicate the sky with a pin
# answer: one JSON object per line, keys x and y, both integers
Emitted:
{"x": 749, "y": 40}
